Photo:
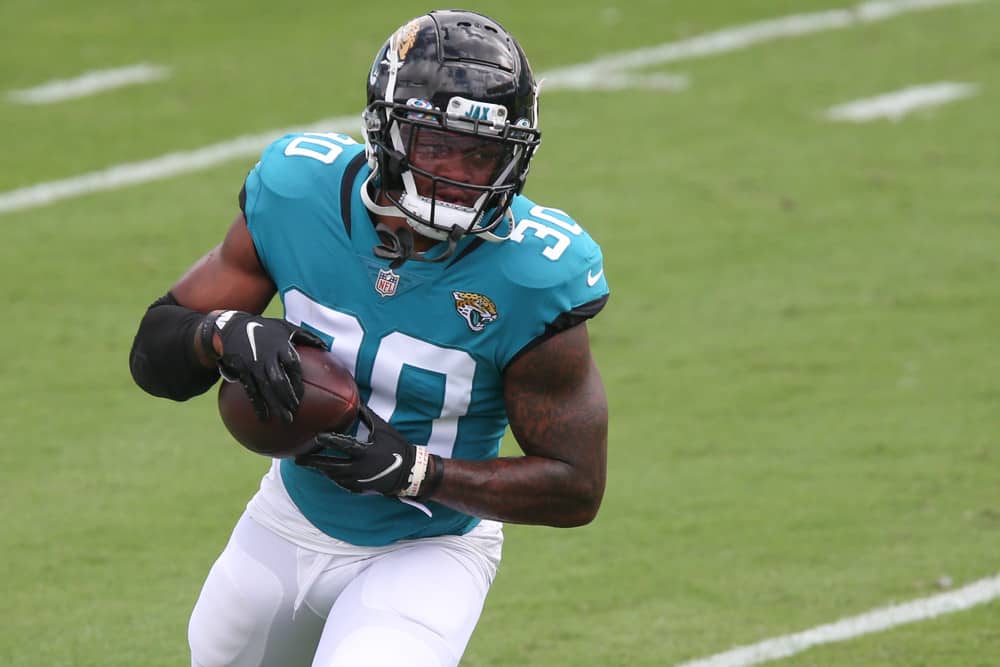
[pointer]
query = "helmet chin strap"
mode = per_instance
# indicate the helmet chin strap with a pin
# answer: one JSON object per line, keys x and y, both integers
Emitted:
{"x": 397, "y": 245}
{"x": 370, "y": 203}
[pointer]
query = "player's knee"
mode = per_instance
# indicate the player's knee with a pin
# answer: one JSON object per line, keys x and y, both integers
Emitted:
{"x": 229, "y": 625}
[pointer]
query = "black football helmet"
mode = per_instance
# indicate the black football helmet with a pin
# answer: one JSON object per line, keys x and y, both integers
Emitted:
{"x": 445, "y": 81}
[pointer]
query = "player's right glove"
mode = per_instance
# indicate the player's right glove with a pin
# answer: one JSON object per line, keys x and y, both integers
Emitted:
{"x": 258, "y": 352}
{"x": 385, "y": 463}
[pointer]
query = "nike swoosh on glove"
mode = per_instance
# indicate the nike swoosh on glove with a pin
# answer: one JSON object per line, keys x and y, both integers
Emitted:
{"x": 385, "y": 463}
{"x": 259, "y": 353}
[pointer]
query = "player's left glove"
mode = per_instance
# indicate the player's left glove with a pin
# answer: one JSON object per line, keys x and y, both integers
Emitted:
{"x": 385, "y": 462}
{"x": 259, "y": 353}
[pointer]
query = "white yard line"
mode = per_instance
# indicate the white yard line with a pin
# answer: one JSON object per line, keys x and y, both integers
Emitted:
{"x": 171, "y": 164}
{"x": 615, "y": 80}
{"x": 739, "y": 37}
{"x": 610, "y": 71}
{"x": 877, "y": 620}
{"x": 89, "y": 83}
{"x": 897, "y": 104}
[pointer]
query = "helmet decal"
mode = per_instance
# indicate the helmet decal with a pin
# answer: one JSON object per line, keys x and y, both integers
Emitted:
{"x": 404, "y": 38}
{"x": 419, "y": 103}
{"x": 470, "y": 111}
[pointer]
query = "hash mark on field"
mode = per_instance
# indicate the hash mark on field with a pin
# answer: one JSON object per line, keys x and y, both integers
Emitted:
{"x": 877, "y": 620}
{"x": 897, "y": 104}
{"x": 89, "y": 83}
{"x": 613, "y": 70}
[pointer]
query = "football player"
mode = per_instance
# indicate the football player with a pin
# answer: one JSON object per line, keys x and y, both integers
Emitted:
{"x": 460, "y": 307}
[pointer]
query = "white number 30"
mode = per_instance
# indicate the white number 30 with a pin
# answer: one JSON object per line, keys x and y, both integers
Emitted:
{"x": 543, "y": 231}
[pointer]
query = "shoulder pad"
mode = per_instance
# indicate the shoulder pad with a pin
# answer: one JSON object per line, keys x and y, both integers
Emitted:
{"x": 291, "y": 165}
{"x": 298, "y": 166}
{"x": 547, "y": 248}
{"x": 298, "y": 184}
{"x": 551, "y": 276}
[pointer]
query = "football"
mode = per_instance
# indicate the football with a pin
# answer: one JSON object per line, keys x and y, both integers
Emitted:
{"x": 329, "y": 403}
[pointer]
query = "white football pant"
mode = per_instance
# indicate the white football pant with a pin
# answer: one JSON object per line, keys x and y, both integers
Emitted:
{"x": 270, "y": 603}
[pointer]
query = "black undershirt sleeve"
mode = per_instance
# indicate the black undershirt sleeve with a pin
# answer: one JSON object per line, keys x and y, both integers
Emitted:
{"x": 163, "y": 360}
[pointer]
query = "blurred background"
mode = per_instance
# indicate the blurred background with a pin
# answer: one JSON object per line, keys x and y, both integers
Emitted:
{"x": 801, "y": 348}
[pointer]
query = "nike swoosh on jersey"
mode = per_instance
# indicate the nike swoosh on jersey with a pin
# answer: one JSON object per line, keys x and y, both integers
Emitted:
{"x": 392, "y": 466}
{"x": 593, "y": 278}
{"x": 253, "y": 342}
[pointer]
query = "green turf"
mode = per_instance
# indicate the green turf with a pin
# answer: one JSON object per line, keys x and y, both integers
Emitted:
{"x": 800, "y": 351}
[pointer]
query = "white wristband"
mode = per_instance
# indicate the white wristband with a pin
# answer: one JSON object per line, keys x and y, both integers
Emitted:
{"x": 417, "y": 473}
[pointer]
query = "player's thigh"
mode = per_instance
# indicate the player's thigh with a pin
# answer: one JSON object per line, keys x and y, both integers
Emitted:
{"x": 245, "y": 615}
{"x": 416, "y": 606}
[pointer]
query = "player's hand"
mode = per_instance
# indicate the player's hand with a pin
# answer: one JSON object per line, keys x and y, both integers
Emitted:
{"x": 385, "y": 462}
{"x": 258, "y": 352}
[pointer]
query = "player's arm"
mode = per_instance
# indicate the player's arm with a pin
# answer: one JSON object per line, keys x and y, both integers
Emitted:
{"x": 227, "y": 277}
{"x": 558, "y": 413}
{"x": 209, "y": 316}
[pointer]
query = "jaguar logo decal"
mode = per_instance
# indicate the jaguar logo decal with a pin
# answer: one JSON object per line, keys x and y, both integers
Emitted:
{"x": 476, "y": 309}
{"x": 405, "y": 37}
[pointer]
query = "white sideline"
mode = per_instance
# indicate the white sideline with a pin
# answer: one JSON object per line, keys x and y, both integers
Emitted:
{"x": 609, "y": 71}
{"x": 897, "y": 104}
{"x": 89, "y": 83}
{"x": 971, "y": 595}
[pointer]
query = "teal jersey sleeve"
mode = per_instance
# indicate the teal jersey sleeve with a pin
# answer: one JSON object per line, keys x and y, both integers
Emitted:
{"x": 555, "y": 275}
{"x": 297, "y": 181}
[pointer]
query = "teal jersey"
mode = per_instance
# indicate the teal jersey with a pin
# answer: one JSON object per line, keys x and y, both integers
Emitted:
{"x": 426, "y": 342}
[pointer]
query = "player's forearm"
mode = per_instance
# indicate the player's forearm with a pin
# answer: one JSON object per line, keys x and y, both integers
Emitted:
{"x": 528, "y": 489}
{"x": 164, "y": 359}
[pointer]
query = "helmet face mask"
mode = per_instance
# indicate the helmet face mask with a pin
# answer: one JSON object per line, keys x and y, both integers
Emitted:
{"x": 450, "y": 125}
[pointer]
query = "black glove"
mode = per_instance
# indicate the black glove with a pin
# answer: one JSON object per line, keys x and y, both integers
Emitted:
{"x": 258, "y": 353}
{"x": 385, "y": 463}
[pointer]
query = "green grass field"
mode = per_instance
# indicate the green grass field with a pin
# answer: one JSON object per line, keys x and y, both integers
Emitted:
{"x": 801, "y": 350}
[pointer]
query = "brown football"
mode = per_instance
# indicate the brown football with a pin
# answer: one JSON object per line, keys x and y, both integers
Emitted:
{"x": 329, "y": 403}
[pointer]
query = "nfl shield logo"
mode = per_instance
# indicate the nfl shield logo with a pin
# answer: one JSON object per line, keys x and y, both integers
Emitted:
{"x": 386, "y": 282}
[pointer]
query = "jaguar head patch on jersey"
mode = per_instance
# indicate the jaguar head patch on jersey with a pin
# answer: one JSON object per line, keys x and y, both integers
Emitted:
{"x": 476, "y": 309}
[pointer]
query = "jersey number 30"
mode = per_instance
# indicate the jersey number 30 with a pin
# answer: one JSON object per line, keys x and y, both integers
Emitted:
{"x": 395, "y": 351}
